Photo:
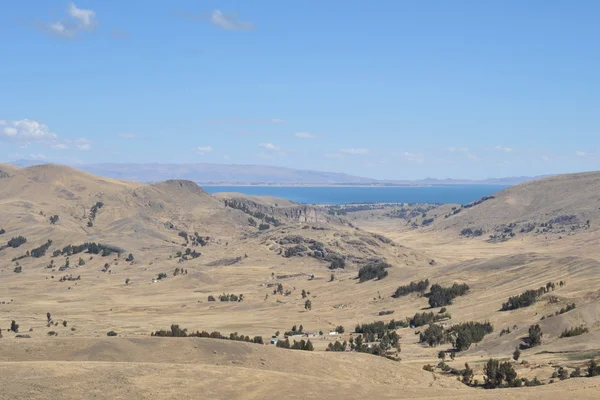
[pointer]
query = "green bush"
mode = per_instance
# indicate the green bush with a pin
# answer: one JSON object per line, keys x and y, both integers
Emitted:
{"x": 373, "y": 271}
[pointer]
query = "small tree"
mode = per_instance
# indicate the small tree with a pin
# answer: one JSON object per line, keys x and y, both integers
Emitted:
{"x": 14, "y": 327}
{"x": 340, "y": 329}
{"x": 81, "y": 262}
{"x": 593, "y": 368}
{"x": 308, "y": 346}
{"x": 127, "y": 281}
{"x": 49, "y": 317}
{"x": 303, "y": 293}
{"x": 535, "y": 335}
{"x": 331, "y": 278}
{"x": 129, "y": 258}
{"x": 467, "y": 375}
{"x": 65, "y": 324}
{"x": 308, "y": 305}
{"x": 442, "y": 355}
{"x": 516, "y": 354}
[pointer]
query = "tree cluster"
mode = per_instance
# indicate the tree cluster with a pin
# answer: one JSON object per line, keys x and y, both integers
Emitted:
{"x": 373, "y": 271}
{"x": 16, "y": 242}
{"x": 574, "y": 331}
{"x": 426, "y": 318}
{"x": 301, "y": 345}
{"x": 499, "y": 374}
{"x": 412, "y": 287}
{"x": 41, "y": 251}
{"x": 176, "y": 331}
{"x": 442, "y": 296}
{"x": 460, "y": 335}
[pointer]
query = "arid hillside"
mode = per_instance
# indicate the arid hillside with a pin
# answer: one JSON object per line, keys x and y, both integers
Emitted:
{"x": 97, "y": 275}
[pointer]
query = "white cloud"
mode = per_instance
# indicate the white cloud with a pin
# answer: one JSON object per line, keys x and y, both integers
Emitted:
{"x": 2, "y": 122}
{"x": 86, "y": 19}
{"x": 229, "y": 22}
{"x": 503, "y": 149}
{"x": 203, "y": 149}
{"x": 37, "y": 156}
{"x": 471, "y": 156}
{"x": 60, "y": 146}
{"x": 305, "y": 135}
{"x": 27, "y": 130}
{"x": 580, "y": 153}
{"x": 354, "y": 151}
{"x": 129, "y": 136}
{"x": 414, "y": 157}
{"x": 83, "y": 144}
{"x": 269, "y": 146}
{"x": 78, "y": 20}
{"x": 332, "y": 155}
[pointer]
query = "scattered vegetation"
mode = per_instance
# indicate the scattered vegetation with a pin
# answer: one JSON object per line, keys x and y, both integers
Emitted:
{"x": 497, "y": 374}
{"x": 54, "y": 219}
{"x": 422, "y": 319}
{"x": 90, "y": 248}
{"x": 239, "y": 205}
{"x": 468, "y": 232}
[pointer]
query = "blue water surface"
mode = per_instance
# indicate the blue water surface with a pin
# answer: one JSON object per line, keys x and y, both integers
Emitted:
{"x": 450, "y": 194}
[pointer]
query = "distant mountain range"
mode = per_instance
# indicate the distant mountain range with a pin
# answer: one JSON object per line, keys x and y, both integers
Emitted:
{"x": 227, "y": 174}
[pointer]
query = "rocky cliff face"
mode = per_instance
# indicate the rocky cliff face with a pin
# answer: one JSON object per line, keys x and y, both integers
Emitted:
{"x": 297, "y": 213}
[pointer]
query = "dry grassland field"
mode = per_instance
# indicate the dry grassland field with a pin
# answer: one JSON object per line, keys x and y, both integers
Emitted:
{"x": 99, "y": 274}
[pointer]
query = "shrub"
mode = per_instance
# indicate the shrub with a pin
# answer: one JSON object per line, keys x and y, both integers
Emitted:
{"x": 263, "y": 227}
{"x": 81, "y": 262}
{"x": 111, "y": 333}
{"x": 337, "y": 346}
{"x": 412, "y": 287}
{"x": 54, "y": 219}
{"x": 211, "y": 298}
{"x": 18, "y": 269}
{"x": 593, "y": 369}
{"x": 127, "y": 281}
{"x": 337, "y": 262}
{"x": 373, "y": 271}
{"x": 162, "y": 275}
{"x": 339, "y": 329}
{"x": 2, "y": 231}
{"x": 422, "y": 319}
{"x": 129, "y": 258}
{"x": 467, "y": 333}
{"x": 428, "y": 367}
{"x": 56, "y": 253}
{"x": 516, "y": 354}
{"x": 14, "y": 327}
{"x": 52, "y": 333}
{"x": 442, "y": 296}
{"x": 16, "y": 241}
{"x": 575, "y": 331}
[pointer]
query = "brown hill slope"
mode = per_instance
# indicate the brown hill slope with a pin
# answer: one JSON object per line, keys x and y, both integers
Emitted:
{"x": 559, "y": 205}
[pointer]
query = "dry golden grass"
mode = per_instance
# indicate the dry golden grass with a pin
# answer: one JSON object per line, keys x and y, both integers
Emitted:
{"x": 84, "y": 363}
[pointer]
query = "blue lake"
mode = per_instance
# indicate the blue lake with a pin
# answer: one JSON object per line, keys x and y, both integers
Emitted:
{"x": 455, "y": 194}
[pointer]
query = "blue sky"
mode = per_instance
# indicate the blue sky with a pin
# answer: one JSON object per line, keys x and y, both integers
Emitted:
{"x": 385, "y": 89}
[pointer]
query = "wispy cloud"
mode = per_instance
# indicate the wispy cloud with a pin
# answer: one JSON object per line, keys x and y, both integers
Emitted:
{"x": 37, "y": 157}
{"x": 581, "y": 153}
{"x": 457, "y": 149}
{"x": 305, "y": 135}
{"x": 414, "y": 157}
{"x": 60, "y": 146}
{"x": 82, "y": 144}
{"x": 203, "y": 149}
{"x": 471, "y": 156}
{"x": 354, "y": 151}
{"x": 118, "y": 33}
{"x": 503, "y": 149}
{"x": 230, "y": 22}
{"x": 246, "y": 121}
{"x": 129, "y": 135}
{"x": 269, "y": 146}
{"x": 78, "y": 20}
